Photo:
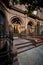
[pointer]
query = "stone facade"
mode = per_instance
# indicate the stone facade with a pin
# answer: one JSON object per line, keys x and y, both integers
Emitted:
{"x": 19, "y": 22}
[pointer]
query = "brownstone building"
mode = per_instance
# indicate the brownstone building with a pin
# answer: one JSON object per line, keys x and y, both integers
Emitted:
{"x": 19, "y": 22}
{"x": 16, "y": 20}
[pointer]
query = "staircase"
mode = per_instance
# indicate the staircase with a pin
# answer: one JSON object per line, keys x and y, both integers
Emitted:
{"x": 22, "y": 47}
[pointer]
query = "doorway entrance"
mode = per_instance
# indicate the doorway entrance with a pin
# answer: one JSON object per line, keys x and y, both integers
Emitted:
{"x": 16, "y": 25}
{"x": 31, "y": 28}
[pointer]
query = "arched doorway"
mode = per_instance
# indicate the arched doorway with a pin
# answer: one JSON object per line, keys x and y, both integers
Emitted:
{"x": 30, "y": 28}
{"x": 16, "y": 25}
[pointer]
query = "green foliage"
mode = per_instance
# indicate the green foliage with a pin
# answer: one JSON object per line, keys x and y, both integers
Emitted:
{"x": 31, "y": 9}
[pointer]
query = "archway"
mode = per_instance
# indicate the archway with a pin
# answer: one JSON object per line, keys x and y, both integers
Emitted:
{"x": 30, "y": 28}
{"x": 16, "y": 25}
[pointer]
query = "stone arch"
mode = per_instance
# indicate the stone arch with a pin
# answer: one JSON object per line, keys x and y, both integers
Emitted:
{"x": 30, "y": 23}
{"x": 16, "y": 20}
{"x": 31, "y": 28}
{"x": 16, "y": 25}
{"x": 20, "y": 19}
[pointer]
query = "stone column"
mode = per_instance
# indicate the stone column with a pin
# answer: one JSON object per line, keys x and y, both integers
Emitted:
{"x": 38, "y": 28}
{"x": 26, "y": 25}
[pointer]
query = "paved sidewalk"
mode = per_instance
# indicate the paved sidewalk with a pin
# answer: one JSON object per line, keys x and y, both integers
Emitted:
{"x": 32, "y": 57}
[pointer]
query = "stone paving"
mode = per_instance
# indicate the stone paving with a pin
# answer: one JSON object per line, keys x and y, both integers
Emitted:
{"x": 32, "y": 57}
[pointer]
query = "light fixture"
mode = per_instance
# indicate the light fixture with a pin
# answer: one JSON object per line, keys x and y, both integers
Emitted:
{"x": 34, "y": 12}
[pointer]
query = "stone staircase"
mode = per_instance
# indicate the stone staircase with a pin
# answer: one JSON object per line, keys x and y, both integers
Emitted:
{"x": 22, "y": 47}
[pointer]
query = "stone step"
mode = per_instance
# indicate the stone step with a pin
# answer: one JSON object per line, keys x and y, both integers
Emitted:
{"x": 39, "y": 44}
{"x": 39, "y": 41}
{"x": 23, "y": 45}
{"x": 24, "y": 49}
